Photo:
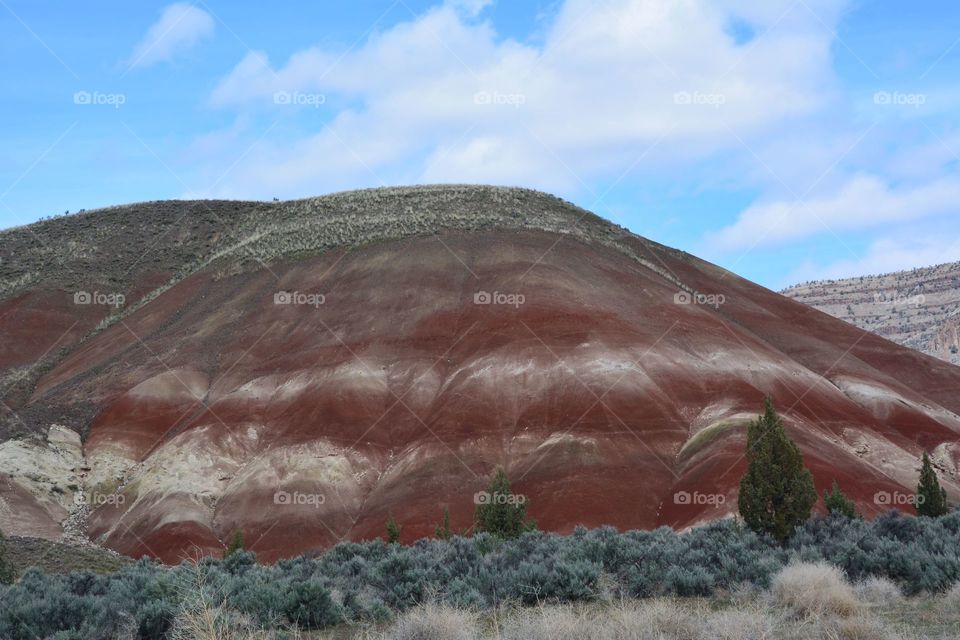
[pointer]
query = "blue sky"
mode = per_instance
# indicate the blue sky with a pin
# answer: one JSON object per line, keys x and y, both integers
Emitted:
{"x": 786, "y": 140}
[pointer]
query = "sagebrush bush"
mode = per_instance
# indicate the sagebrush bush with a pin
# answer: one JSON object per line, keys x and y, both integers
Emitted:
{"x": 919, "y": 554}
{"x": 368, "y": 581}
{"x": 309, "y": 605}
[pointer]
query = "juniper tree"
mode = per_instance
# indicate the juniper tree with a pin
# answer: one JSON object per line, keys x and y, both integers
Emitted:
{"x": 7, "y": 573}
{"x": 777, "y": 490}
{"x": 837, "y": 502}
{"x": 393, "y": 530}
{"x": 236, "y": 544}
{"x": 931, "y": 497}
{"x": 499, "y": 511}
{"x": 442, "y": 530}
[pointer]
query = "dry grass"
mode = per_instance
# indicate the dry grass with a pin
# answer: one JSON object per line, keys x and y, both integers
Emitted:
{"x": 433, "y": 622}
{"x": 879, "y": 592}
{"x": 203, "y": 617}
{"x": 560, "y": 624}
{"x": 814, "y": 589}
{"x": 806, "y": 602}
{"x": 205, "y": 621}
{"x": 863, "y": 628}
{"x": 951, "y": 599}
{"x": 637, "y": 620}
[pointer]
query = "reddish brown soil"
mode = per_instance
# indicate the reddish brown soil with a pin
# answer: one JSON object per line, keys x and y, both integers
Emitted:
{"x": 400, "y": 395}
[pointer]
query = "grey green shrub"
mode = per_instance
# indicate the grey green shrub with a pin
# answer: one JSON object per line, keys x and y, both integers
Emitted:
{"x": 370, "y": 580}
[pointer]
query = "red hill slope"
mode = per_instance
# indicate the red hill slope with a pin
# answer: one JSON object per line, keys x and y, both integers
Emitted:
{"x": 611, "y": 376}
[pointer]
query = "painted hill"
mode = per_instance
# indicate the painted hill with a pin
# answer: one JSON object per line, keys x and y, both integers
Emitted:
{"x": 174, "y": 372}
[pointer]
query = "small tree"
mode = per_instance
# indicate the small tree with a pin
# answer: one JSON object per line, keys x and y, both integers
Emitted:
{"x": 443, "y": 531}
{"x": 931, "y": 497}
{"x": 8, "y": 574}
{"x": 499, "y": 511}
{"x": 837, "y": 502}
{"x": 777, "y": 491}
{"x": 236, "y": 544}
{"x": 393, "y": 530}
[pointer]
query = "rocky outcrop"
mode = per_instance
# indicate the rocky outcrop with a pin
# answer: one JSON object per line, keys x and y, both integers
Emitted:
{"x": 41, "y": 479}
{"x": 919, "y": 309}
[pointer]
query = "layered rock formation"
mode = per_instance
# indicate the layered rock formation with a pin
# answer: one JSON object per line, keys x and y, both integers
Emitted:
{"x": 919, "y": 308}
{"x": 299, "y": 370}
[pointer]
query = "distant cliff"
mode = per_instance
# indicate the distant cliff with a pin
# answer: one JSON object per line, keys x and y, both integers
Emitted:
{"x": 919, "y": 309}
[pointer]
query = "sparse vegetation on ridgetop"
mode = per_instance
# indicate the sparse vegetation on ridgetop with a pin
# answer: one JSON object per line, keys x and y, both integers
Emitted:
{"x": 111, "y": 247}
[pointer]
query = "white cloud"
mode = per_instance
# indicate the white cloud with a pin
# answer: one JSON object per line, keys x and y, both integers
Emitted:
{"x": 863, "y": 202}
{"x": 181, "y": 25}
{"x": 886, "y": 255}
{"x": 471, "y": 8}
{"x": 444, "y": 98}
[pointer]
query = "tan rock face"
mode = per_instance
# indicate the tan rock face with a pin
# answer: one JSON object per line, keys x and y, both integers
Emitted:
{"x": 919, "y": 308}
{"x": 41, "y": 480}
{"x": 428, "y": 361}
